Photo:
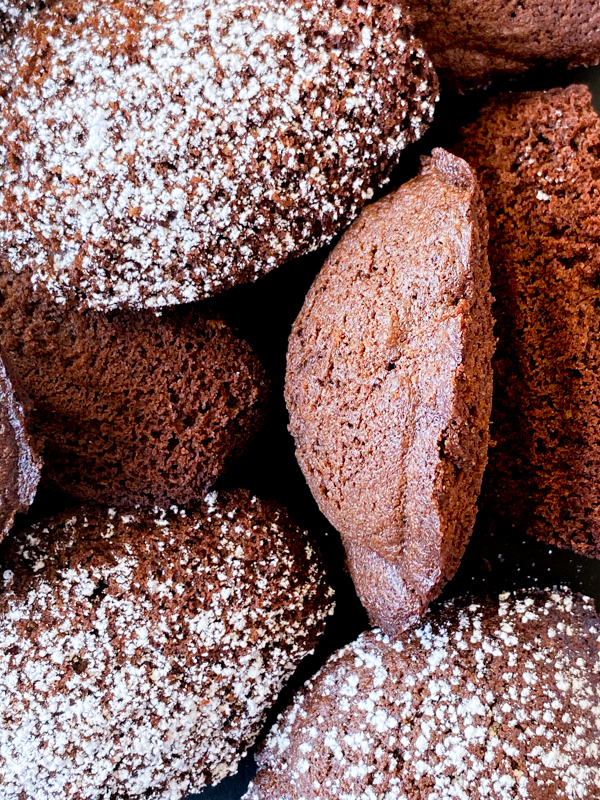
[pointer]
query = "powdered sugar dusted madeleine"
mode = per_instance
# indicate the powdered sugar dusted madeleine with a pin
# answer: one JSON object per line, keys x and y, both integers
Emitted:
{"x": 156, "y": 155}
{"x": 139, "y": 651}
{"x": 487, "y": 699}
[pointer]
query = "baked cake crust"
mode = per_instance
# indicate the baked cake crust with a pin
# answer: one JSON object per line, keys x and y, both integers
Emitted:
{"x": 536, "y": 156}
{"x": 471, "y": 42}
{"x": 13, "y": 14}
{"x": 486, "y": 699}
{"x": 388, "y": 387}
{"x": 135, "y": 407}
{"x": 20, "y": 458}
{"x": 140, "y": 651}
{"x": 149, "y": 160}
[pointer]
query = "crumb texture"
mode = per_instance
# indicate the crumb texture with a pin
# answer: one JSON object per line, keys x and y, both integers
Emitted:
{"x": 536, "y": 155}
{"x": 485, "y": 700}
{"x": 156, "y": 153}
{"x": 472, "y": 42}
{"x": 389, "y": 383}
{"x": 20, "y": 459}
{"x": 135, "y": 407}
{"x": 139, "y": 652}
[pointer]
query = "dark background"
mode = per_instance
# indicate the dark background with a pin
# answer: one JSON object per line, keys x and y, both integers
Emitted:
{"x": 263, "y": 313}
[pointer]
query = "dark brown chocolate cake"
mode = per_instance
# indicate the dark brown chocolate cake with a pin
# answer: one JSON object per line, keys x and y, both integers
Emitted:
{"x": 389, "y": 387}
{"x": 471, "y": 42}
{"x": 135, "y": 407}
{"x": 20, "y": 461}
{"x": 139, "y": 651}
{"x": 150, "y": 158}
{"x": 536, "y": 156}
{"x": 488, "y": 699}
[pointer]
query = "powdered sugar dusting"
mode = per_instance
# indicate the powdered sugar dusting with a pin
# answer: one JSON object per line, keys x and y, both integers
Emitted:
{"x": 154, "y": 157}
{"x": 14, "y": 13}
{"x": 139, "y": 651}
{"x": 500, "y": 702}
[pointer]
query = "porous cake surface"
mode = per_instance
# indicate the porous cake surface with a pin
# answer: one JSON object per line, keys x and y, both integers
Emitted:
{"x": 486, "y": 699}
{"x": 389, "y": 383}
{"x": 536, "y": 156}
{"x": 140, "y": 651}
{"x": 156, "y": 153}
{"x": 471, "y": 42}
{"x": 135, "y": 407}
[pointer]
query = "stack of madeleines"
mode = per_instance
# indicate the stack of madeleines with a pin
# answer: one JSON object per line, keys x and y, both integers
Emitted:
{"x": 154, "y": 155}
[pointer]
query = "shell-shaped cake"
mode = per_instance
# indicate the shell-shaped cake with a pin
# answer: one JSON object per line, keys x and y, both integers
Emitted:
{"x": 472, "y": 42}
{"x": 140, "y": 651}
{"x": 487, "y": 699}
{"x": 135, "y": 408}
{"x": 155, "y": 155}
{"x": 389, "y": 387}
{"x": 536, "y": 158}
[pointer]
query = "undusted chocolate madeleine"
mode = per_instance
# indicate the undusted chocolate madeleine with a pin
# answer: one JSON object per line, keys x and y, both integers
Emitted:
{"x": 155, "y": 158}
{"x": 536, "y": 156}
{"x": 471, "y": 42}
{"x": 140, "y": 651}
{"x": 20, "y": 461}
{"x": 487, "y": 699}
{"x": 135, "y": 407}
{"x": 389, "y": 384}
